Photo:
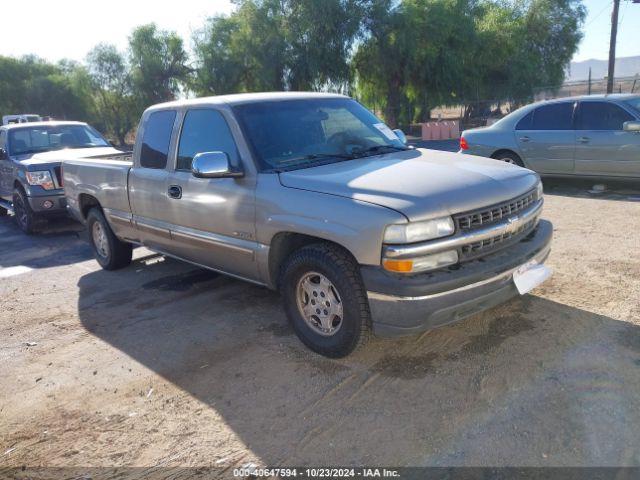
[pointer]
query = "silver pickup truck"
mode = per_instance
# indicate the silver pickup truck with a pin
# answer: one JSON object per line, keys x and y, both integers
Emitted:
{"x": 312, "y": 195}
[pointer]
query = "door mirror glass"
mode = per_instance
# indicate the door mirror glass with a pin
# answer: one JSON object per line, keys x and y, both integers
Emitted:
{"x": 212, "y": 165}
{"x": 631, "y": 126}
{"x": 400, "y": 134}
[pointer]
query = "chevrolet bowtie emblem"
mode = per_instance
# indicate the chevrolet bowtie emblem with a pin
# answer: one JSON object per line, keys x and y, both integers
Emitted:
{"x": 512, "y": 224}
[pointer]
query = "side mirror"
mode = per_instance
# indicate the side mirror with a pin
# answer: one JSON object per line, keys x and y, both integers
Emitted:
{"x": 400, "y": 134}
{"x": 213, "y": 165}
{"x": 631, "y": 126}
{"x": 3, "y": 154}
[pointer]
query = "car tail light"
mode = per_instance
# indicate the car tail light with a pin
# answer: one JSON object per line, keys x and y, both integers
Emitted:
{"x": 463, "y": 144}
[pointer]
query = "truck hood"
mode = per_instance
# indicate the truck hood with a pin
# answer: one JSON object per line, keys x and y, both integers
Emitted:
{"x": 59, "y": 156}
{"x": 421, "y": 184}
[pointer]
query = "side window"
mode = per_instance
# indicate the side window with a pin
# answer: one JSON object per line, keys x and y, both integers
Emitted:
{"x": 555, "y": 116}
{"x": 602, "y": 116}
{"x": 204, "y": 131}
{"x": 525, "y": 122}
{"x": 156, "y": 139}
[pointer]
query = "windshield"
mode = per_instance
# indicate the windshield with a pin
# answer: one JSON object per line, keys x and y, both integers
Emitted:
{"x": 55, "y": 137}
{"x": 635, "y": 103}
{"x": 292, "y": 134}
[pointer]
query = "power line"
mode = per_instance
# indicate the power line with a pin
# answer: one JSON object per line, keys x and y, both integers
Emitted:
{"x": 599, "y": 13}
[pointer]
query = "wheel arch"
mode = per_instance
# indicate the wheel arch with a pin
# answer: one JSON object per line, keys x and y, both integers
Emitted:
{"x": 501, "y": 151}
{"x": 86, "y": 202}
{"x": 283, "y": 244}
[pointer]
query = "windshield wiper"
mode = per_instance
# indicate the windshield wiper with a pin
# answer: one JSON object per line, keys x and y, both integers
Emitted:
{"x": 315, "y": 156}
{"x": 378, "y": 148}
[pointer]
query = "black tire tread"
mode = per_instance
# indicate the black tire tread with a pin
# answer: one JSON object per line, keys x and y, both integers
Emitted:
{"x": 327, "y": 254}
{"x": 121, "y": 252}
{"x": 34, "y": 223}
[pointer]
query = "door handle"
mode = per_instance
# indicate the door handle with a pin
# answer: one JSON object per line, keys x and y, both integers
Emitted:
{"x": 583, "y": 139}
{"x": 524, "y": 139}
{"x": 175, "y": 191}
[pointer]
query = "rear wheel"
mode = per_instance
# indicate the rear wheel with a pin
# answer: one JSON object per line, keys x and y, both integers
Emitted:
{"x": 325, "y": 300}
{"x": 25, "y": 217}
{"x": 510, "y": 157}
{"x": 110, "y": 252}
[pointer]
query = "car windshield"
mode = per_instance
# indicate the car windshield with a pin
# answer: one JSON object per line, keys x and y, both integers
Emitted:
{"x": 293, "y": 134}
{"x": 54, "y": 137}
{"x": 635, "y": 103}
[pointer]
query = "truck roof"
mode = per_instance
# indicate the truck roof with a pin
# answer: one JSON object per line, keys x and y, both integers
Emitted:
{"x": 240, "y": 98}
{"x": 54, "y": 123}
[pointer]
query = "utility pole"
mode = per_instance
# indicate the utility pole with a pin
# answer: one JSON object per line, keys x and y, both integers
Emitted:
{"x": 589, "y": 87}
{"x": 612, "y": 45}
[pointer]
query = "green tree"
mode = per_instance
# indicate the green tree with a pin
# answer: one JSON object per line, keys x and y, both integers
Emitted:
{"x": 111, "y": 83}
{"x": 419, "y": 54}
{"x": 30, "y": 84}
{"x": 278, "y": 45}
{"x": 158, "y": 63}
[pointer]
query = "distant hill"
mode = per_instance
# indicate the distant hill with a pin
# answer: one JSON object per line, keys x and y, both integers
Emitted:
{"x": 625, "y": 67}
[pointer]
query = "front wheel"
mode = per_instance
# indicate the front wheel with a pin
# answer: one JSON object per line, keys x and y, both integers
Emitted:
{"x": 110, "y": 252}
{"x": 325, "y": 300}
{"x": 25, "y": 217}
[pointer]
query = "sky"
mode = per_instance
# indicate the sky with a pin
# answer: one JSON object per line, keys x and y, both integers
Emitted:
{"x": 70, "y": 28}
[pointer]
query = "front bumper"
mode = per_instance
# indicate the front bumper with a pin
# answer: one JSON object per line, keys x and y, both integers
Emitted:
{"x": 407, "y": 305}
{"x": 39, "y": 204}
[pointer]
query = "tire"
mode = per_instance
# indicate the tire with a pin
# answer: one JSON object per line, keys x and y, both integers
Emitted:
{"x": 25, "y": 217}
{"x": 110, "y": 252}
{"x": 348, "y": 325}
{"x": 3, "y": 212}
{"x": 510, "y": 157}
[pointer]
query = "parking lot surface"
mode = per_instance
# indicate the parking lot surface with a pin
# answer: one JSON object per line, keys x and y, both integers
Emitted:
{"x": 166, "y": 364}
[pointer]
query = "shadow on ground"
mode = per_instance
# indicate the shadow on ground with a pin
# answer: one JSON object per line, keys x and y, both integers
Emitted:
{"x": 61, "y": 242}
{"x": 622, "y": 190}
{"x": 532, "y": 382}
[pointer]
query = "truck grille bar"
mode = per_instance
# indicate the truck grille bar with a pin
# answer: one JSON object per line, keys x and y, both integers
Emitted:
{"x": 489, "y": 215}
{"x": 478, "y": 241}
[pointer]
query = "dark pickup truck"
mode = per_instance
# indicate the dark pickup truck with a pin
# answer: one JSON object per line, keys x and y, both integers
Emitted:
{"x": 31, "y": 155}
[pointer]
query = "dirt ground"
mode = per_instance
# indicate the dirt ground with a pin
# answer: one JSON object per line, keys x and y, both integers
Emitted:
{"x": 164, "y": 364}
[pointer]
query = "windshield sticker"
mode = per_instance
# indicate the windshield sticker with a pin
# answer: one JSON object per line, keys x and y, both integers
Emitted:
{"x": 386, "y": 131}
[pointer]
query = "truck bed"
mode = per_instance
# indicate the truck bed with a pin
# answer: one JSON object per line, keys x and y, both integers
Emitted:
{"x": 103, "y": 178}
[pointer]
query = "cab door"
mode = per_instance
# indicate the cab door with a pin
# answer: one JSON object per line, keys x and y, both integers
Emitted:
{"x": 546, "y": 138}
{"x": 213, "y": 219}
{"x": 602, "y": 146}
{"x": 148, "y": 180}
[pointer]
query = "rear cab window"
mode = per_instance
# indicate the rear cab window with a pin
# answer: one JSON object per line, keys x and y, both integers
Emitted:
{"x": 603, "y": 116}
{"x": 156, "y": 139}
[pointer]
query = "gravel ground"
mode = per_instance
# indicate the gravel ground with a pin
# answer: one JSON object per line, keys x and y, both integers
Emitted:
{"x": 166, "y": 364}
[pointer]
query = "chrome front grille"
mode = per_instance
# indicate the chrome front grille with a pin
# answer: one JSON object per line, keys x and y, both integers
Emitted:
{"x": 484, "y": 247}
{"x": 487, "y": 216}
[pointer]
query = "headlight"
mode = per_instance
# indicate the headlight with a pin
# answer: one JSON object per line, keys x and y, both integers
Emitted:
{"x": 421, "y": 264}
{"x": 419, "y": 231}
{"x": 42, "y": 178}
{"x": 539, "y": 190}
